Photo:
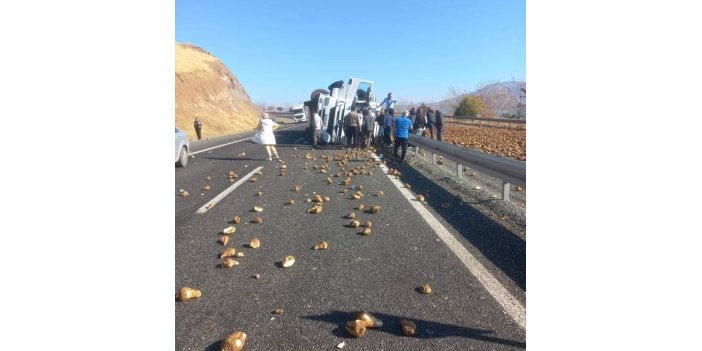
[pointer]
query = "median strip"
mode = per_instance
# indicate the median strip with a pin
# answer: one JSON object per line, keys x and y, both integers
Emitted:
{"x": 226, "y": 192}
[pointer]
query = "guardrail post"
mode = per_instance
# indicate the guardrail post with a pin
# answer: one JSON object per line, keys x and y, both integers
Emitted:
{"x": 505, "y": 190}
{"x": 508, "y": 171}
{"x": 433, "y": 159}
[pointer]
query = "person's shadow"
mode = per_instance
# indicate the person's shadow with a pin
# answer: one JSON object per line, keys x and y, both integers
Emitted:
{"x": 425, "y": 329}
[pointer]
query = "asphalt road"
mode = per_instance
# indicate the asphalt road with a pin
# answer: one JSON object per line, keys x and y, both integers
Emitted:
{"x": 324, "y": 289}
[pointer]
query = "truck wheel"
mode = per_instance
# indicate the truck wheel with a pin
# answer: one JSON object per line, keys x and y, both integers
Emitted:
{"x": 315, "y": 94}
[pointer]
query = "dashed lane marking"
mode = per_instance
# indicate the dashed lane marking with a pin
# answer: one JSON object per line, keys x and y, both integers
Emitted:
{"x": 226, "y": 192}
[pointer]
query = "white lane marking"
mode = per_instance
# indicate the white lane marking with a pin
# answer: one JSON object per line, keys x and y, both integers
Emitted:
{"x": 229, "y": 143}
{"x": 509, "y": 304}
{"x": 226, "y": 192}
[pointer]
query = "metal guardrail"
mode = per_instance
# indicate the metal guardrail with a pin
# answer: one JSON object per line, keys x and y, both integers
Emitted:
{"x": 500, "y": 120}
{"x": 509, "y": 171}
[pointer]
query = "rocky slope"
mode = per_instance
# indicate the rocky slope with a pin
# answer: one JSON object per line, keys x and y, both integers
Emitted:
{"x": 206, "y": 89}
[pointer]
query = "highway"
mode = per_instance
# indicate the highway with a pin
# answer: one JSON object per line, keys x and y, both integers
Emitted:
{"x": 474, "y": 265}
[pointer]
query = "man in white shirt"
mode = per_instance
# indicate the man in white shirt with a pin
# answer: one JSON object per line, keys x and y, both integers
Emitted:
{"x": 317, "y": 128}
{"x": 389, "y": 104}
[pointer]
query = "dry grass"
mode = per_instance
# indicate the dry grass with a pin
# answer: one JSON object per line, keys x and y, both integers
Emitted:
{"x": 191, "y": 60}
{"x": 222, "y": 105}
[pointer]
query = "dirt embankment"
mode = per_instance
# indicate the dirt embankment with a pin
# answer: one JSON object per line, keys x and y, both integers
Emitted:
{"x": 206, "y": 89}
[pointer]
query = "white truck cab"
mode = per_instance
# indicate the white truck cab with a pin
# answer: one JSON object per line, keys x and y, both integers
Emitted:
{"x": 300, "y": 113}
{"x": 334, "y": 105}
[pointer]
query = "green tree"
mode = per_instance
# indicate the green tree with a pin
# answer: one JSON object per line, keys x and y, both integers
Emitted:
{"x": 470, "y": 106}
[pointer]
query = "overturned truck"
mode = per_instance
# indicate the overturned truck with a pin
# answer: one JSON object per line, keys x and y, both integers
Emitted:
{"x": 333, "y": 105}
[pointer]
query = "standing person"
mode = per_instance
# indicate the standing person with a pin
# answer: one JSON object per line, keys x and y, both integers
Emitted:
{"x": 412, "y": 118}
{"x": 379, "y": 121}
{"x": 367, "y": 128}
{"x": 420, "y": 122}
{"x": 351, "y": 123}
{"x": 266, "y": 127}
{"x": 402, "y": 127}
{"x": 431, "y": 121}
{"x": 439, "y": 126}
{"x": 373, "y": 128}
{"x": 198, "y": 128}
{"x": 359, "y": 137}
{"x": 389, "y": 104}
{"x": 316, "y": 128}
{"x": 387, "y": 128}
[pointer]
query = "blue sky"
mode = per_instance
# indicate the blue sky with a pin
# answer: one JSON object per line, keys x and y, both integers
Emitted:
{"x": 282, "y": 50}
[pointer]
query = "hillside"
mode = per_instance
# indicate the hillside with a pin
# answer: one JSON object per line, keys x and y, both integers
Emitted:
{"x": 206, "y": 89}
{"x": 504, "y": 97}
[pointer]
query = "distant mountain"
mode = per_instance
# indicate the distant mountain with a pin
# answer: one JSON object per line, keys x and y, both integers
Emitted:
{"x": 505, "y": 98}
{"x": 206, "y": 89}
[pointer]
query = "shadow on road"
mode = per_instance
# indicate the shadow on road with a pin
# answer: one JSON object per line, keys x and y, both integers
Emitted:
{"x": 504, "y": 249}
{"x": 215, "y": 346}
{"x": 425, "y": 329}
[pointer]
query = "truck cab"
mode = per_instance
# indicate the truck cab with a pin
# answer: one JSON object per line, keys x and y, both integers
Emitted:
{"x": 334, "y": 105}
{"x": 300, "y": 113}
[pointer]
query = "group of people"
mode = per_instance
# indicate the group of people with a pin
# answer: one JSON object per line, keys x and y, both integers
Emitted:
{"x": 359, "y": 126}
{"x": 420, "y": 121}
{"x": 426, "y": 119}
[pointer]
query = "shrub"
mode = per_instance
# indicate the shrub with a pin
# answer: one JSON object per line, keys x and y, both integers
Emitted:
{"x": 470, "y": 106}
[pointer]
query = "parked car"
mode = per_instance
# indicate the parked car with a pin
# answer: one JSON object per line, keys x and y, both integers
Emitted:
{"x": 182, "y": 148}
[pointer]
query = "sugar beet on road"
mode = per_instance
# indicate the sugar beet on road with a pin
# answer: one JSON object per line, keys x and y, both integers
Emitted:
{"x": 323, "y": 289}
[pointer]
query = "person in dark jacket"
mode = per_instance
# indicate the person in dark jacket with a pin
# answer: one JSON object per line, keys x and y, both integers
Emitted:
{"x": 338, "y": 84}
{"x": 198, "y": 128}
{"x": 420, "y": 122}
{"x": 381, "y": 131}
{"x": 439, "y": 126}
{"x": 413, "y": 114}
{"x": 387, "y": 128}
{"x": 431, "y": 121}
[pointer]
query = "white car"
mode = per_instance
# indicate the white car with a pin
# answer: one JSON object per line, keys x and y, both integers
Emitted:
{"x": 182, "y": 148}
